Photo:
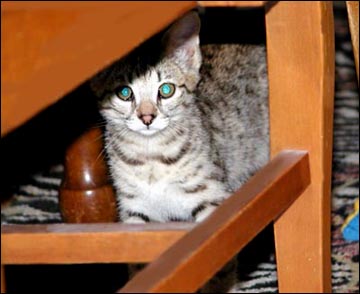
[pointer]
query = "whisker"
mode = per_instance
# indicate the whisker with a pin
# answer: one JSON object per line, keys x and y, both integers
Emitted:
{"x": 101, "y": 154}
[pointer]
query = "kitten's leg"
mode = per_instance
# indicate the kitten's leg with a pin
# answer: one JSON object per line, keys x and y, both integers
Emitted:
{"x": 134, "y": 268}
{"x": 135, "y": 218}
{"x": 226, "y": 278}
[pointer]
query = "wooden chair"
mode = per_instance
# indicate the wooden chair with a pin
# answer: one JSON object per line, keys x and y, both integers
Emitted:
{"x": 293, "y": 190}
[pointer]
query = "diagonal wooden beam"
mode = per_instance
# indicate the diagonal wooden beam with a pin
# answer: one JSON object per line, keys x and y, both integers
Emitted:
{"x": 57, "y": 45}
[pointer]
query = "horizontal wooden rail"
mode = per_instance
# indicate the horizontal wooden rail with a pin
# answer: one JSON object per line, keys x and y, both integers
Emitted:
{"x": 217, "y": 239}
{"x": 87, "y": 243}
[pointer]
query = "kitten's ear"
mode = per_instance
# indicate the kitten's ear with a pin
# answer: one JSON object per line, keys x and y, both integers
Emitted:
{"x": 181, "y": 42}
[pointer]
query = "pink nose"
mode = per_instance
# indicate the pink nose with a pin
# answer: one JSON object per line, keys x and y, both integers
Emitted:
{"x": 147, "y": 119}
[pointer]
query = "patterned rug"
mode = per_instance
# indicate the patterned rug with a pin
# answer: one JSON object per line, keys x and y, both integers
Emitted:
{"x": 36, "y": 200}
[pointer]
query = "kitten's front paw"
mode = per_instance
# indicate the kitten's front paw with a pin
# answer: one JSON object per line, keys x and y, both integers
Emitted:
{"x": 134, "y": 217}
{"x": 134, "y": 220}
{"x": 204, "y": 213}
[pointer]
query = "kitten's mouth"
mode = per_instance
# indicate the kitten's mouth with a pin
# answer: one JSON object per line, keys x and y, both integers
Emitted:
{"x": 147, "y": 130}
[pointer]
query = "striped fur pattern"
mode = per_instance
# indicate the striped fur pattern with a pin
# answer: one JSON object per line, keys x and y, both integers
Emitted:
{"x": 204, "y": 142}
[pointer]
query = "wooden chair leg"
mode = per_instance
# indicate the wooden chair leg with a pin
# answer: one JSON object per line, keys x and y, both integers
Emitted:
{"x": 85, "y": 194}
{"x": 300, "y": 44}
{"x": 3, "y": 287}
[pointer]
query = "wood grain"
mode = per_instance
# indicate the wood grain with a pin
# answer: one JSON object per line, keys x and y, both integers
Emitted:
{"x": 87, "y": 243}
{"x": 194, "y": 259}
{"x": 300, "y": 46}
{"x": 51, "y": 47}
{"x": 86, "y": 195}
{"x": 353, "y": 16}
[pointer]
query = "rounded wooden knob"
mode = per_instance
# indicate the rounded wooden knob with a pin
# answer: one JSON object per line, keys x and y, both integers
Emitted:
{"x": 85, "y": 193}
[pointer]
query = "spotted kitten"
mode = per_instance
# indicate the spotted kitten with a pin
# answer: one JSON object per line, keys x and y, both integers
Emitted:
{"x": 185, "y": 126}
{"x": 179, "y": 139}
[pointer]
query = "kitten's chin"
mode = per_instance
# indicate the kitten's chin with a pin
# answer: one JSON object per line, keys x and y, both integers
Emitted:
{"x": 148, "y": 132}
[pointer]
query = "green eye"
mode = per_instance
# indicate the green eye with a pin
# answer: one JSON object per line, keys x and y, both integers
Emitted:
{"x": 166, "y": 90}
{"x": 124, "y": 93}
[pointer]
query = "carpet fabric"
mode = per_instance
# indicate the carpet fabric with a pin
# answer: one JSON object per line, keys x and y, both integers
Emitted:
{"x": 36, "y": 201}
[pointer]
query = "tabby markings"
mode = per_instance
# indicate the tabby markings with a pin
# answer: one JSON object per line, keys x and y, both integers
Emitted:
{"x": 201, "y": 207}
{"x": 197, "y": 188}
{"x": 171, "y": 160}
{"x": 144, "y": 217}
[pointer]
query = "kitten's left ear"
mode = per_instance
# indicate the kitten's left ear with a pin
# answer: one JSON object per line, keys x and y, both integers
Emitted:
{"x": 181, "y": 43}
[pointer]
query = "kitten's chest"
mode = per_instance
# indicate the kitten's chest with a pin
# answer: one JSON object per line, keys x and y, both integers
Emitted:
{"x": 153, "y": 174}
{"x": 159, "y": 194}
{"x": 160, "y": 202}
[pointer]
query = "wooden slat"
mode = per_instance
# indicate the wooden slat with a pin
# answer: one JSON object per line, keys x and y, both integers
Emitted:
{"x": 51, "y": 47}
{"x": 232, "y": 3}
{"x": 87, "y": 243}
{"x": 300, "y": 48}
{"x": 3, "y": 286}
{"x": 353, "y": 16}
{"x": 188, "y": 264}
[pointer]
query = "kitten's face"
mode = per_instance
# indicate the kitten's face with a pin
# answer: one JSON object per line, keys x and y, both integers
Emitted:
{"x": 149, "y": 102}
{"x": 147, "y": 99}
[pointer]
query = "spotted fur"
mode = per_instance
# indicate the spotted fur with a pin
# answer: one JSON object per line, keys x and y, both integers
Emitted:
{"x": 203, "y": 143}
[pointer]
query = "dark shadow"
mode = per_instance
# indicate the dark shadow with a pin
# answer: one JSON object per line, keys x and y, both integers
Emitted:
{"x": 84, "y": 278}
{"x": 232, "y": 26}
{"x": 43, "y": 140}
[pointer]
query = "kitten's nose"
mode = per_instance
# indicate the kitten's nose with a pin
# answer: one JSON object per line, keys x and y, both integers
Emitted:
{"x": 146, "y": 112}
{"x": 147, "y": 119}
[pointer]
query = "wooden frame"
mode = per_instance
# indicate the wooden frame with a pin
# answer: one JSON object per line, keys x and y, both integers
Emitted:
{"x": 301, "y": 78}
{"x": 301, "y": 97}
{"x": 263, "y": 199}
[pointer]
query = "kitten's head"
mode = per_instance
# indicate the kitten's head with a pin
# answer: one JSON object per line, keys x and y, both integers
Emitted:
{"x": 147, "y": 91}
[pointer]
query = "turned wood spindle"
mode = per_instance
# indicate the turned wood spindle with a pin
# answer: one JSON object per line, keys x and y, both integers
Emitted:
{"x": 86, "y": 195}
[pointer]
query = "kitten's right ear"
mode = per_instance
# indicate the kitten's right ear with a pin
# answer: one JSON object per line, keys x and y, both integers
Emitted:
{"x": 181, "y": 42}
{"x": 185, "y": 31}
